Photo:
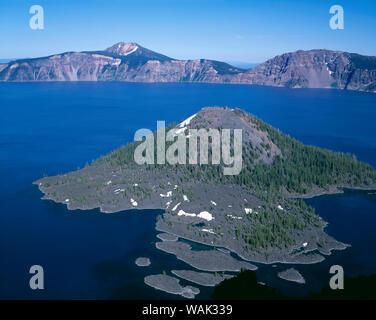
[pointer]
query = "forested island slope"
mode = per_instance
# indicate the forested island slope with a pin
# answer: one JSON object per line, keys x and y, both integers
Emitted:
{"x": 256, "y": 214}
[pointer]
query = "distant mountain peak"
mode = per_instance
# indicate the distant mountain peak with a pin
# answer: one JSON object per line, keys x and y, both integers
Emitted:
{"x": 134, "y": 50}
{"x": 123, "y": 48}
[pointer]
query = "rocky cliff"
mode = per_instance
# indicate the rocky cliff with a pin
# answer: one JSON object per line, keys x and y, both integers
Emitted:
{"x": 132, "y": 62}
{"x": 316, "y": 69}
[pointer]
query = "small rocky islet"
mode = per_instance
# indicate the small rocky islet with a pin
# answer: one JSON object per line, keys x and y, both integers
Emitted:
{"x": 292, "y": 274}
{"x": 142, "y": 262}
{"x": 171, "y": 285}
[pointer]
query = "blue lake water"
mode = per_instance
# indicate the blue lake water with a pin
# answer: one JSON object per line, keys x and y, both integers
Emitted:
{"x": 51, "y": 128}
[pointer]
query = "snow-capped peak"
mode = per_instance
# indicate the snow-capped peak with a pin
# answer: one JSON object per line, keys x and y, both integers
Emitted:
{"x": 123, "y": 48}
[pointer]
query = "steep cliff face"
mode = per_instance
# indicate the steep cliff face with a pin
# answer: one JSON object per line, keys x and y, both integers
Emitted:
{"x": 132, "y": 62}
{"x": 316, "y": 69}
{"x": 313, "y": 69}
{"x": 362, "y": 74}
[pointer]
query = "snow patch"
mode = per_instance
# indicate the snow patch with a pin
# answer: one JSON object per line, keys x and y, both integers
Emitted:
{"x": 174, "y": 208}
{"x": 180, "y": 131}
{"x": 168, "y": 194}
{"x": 205, "y": 215}
{"x": 208, "y": 230}
{"x": 183, "y": 213}
{"x": 187, "y": 121}
{"x": 234, "y": 217}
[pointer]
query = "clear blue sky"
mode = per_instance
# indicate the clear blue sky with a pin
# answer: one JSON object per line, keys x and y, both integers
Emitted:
{"x": 232, "y": 30}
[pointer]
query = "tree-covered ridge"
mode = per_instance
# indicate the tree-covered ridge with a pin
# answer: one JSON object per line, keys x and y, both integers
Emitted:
{"x": 273, "y": 227}
{"x": 301, "y": 167}
{"x": 297, "y": 170}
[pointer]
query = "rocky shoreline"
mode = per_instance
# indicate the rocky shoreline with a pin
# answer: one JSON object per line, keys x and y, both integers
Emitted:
{"x": 310, "y": 255}
{"x": 201, "y": 278}
{"x": 205, "y": 260}
{"x": 167, "y": 237}
{"x": 332, "y": 190}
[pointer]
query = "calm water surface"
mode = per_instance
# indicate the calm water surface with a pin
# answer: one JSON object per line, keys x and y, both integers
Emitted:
{"x": 51, "y": 128}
